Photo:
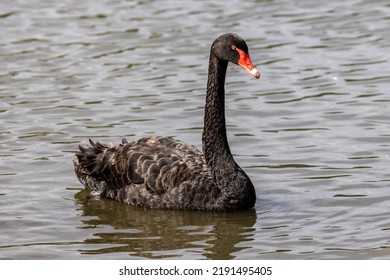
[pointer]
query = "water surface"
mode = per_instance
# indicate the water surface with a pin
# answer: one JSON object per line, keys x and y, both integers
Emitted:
{"x": 313, "y": 133}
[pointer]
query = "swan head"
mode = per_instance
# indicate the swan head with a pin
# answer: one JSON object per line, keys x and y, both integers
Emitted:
{"x": 231, "y": 47}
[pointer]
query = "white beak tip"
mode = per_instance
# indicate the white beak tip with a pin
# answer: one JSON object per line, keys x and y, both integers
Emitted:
{"x": 255, "y": 73}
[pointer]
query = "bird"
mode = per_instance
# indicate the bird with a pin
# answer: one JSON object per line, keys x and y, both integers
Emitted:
{"x": 166, "y": 173}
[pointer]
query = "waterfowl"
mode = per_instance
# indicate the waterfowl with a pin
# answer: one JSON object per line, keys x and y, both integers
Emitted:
{"x": 166, "y": 173}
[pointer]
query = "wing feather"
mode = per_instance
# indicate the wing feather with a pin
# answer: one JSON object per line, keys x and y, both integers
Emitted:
{"x": 158, "y": 164}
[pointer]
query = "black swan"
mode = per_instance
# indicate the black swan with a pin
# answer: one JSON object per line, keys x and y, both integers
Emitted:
{"x": 162, "y": 172}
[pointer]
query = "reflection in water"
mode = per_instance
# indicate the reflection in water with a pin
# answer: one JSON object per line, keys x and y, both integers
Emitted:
{"x": 154, "y": 233}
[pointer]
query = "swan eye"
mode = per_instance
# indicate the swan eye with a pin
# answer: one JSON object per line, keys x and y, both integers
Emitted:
{"x": 234, "y": 47}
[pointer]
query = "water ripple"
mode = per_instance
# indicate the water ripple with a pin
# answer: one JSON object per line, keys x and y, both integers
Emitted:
{"x": 312, "y": 133}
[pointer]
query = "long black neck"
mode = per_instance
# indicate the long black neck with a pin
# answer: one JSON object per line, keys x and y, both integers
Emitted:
{"x": 215, "y": 144}
{"x": 236, "y": 187}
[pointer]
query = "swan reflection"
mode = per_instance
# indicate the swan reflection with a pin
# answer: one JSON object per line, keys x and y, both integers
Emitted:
{"x": 151, "y": 233}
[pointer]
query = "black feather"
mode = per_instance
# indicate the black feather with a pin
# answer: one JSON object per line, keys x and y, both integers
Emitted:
{"x": 162, "y": 172}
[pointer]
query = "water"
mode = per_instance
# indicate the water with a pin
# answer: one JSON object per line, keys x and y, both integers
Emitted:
{"x": 313, "y": 133}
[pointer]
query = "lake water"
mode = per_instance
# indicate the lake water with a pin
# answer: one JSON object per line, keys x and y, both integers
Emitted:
{"x": 313, "y": 133}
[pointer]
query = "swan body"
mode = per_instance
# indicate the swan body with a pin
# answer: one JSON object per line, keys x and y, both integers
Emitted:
{"x": 166, "y": 173}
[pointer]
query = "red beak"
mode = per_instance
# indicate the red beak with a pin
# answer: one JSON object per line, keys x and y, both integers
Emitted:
{"x": 246, "y": 63}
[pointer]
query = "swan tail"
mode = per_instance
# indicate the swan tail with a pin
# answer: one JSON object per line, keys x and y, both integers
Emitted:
{"x": 88, "y": 165}
{"x": 100, "y": 166}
